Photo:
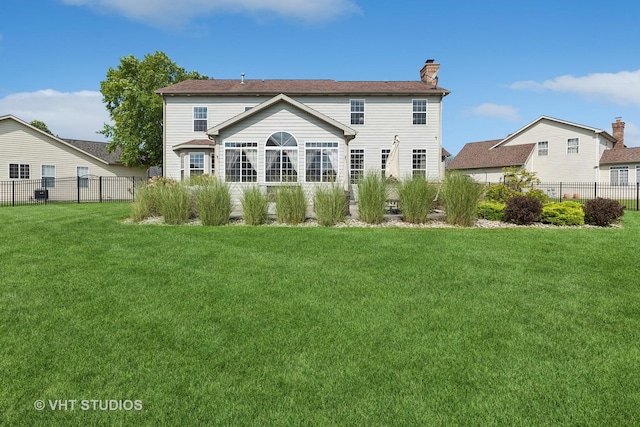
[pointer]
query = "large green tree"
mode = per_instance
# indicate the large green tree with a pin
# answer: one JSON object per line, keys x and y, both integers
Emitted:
{"x": 135, "y": 108}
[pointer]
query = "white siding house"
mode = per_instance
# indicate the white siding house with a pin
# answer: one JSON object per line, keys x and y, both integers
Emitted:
{"x": 556, "y": 150}
{"x": 270, "y": 132}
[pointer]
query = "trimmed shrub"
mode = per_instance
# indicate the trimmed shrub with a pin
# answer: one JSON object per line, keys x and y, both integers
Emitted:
{"x": 372, "y": 198}
{"x": 602, "y": 212}
{"x": 214, "y": 202}
{"x": 460, "y": 195}
{"x": 500, "y": 193}
{"x": 255, "y": 206}
{"x": 537, "y": 194}
{"x": 491, "y": 210}
{"x": 562, "y": 213}
{"x": 291, "y": 205}
{"x": 328, "y": 204}
{"x": 522, "y": 210}
{"x": 174, "y": 203}
{"x": 416, "y": 197}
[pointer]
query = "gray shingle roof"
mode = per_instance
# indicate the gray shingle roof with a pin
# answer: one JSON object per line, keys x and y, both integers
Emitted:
{"x": 96, "y": 149}
{"x": 302, "y": 87}
{"x": 622, "y": 155}
{"x": 477, "y": 155}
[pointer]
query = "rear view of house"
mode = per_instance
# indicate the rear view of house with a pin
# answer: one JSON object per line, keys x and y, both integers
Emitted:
{"x": 273, "y": 132}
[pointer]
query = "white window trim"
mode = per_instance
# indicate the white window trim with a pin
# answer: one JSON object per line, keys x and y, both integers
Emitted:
{"x": 43, "y": 176}
{"x": 577, "y": 146}
{"x": 384, "y": 159}
{"x": 425, "y": 112}
{"x": 206, "y": 119}
{"x": 323, "y": 145}
{"x": 545, "y": 150}
{"x": 618, "y": 182}
{"x": 237, "y": 145}
{"x": 413, "y": 155}
{"x": 19, "y": 174}
{"x": 84, "y": 175}
{"x": 204, "y": 162}
{"x": 357, "y": 151}
{"x": 351, "y": 111}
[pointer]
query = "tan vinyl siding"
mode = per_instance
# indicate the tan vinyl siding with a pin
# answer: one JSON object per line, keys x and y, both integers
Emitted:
{"x": 558, "y": 165}
{"x": 21, "y": 144}
{"x": 385, "y": 117}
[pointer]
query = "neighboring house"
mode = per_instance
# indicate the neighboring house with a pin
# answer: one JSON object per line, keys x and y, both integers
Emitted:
{"x": 557, "y": 151}
{"x": 270, "y": 132}
{"x": 27, "y": 153}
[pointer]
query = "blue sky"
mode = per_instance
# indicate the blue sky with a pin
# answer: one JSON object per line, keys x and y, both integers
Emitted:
{"x": 505, "y": 62}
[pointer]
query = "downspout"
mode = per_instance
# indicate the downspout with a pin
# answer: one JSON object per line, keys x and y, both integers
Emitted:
{"x": 164, "y": 136}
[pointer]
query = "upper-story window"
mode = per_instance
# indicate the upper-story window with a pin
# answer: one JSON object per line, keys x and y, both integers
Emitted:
{"x": 199, "y": 119}
{"x": 543, "y": 148}
{"x": 419, "y": 111}
{"x": 573, "y": 146}
{"x": 357, "y": 111}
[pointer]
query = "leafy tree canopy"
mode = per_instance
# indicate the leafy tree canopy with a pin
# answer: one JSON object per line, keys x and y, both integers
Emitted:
{"x": 41, "y": 125}
{"x": 135, "y": 108}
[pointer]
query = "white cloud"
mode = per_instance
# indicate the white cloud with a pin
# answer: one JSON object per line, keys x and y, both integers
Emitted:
{"x": 621, "y": 88}
{"x": 74, "y": 115}
{"x": 494, "y": 110}
{"x": 177, "y": 13}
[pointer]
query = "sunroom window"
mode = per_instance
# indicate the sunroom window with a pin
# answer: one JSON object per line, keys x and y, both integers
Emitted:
{"x": 321, "y": 159}
{"x": 241, "y": 161}
{"x": 281, "y": 158}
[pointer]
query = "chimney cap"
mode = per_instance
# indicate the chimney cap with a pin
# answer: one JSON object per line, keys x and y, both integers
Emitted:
{"x": 618, "y": 119}
{"x": 430, "y": 61}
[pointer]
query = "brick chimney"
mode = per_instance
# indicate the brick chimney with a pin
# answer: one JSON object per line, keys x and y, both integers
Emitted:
{"x": 429, "y": 73}
{"x": 618, "y": 132}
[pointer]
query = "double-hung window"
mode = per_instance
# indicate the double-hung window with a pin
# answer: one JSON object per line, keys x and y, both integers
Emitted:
{"x": 196, "y": 164}
{"x": 83, "y": 176}
{"x": 321, "y": 161}
{"x": 199, "y": 119}
{"x": 419, "y": 163}
{"x": 543, "y": 148}
{"x": 383, "y": 160}
{"x": 281, "y": 158}
{"x": 19, "y": 171}
{"x": 241, "y": 161}
{"x": 357, "y": 165}
{"x": 419, "y": 111}
{"x": 48, "y": 176}
{"x": 357, "y": 111}
{"x": 573, "y": 146}
{"x": 619, "y": 175}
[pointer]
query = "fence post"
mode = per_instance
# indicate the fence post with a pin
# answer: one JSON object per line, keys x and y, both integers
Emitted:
{"x": 638, "y": 196}
{"x": 560, "y": 195}
{"x": 13, "y": 193}
{"x": 100, "y": 188}
{"x": 78, "y": 187}
{"x": 133, "y": 188}
{"x": 595, "y": 190}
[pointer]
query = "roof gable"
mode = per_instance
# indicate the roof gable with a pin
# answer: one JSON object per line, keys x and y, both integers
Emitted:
{"x": 348, "y": 132}
{"x": 93, "y": 149}
{"x": 556, "y": 121}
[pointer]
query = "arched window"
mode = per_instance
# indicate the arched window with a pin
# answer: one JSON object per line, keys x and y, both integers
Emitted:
{"x": 281, "y": 158}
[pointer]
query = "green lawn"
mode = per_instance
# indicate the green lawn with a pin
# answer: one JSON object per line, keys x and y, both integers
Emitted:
{"x": 315, "y": 327}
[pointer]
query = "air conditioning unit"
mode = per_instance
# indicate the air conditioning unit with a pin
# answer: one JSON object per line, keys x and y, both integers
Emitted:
{"x": 41, "y": 194}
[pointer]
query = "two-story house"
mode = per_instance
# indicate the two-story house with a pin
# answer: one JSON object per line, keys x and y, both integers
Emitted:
{"x": 557, "y": 151}
{"x": 272, "y": 132}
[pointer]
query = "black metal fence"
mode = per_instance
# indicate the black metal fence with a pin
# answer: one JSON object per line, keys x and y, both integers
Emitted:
{"x": 627, "y": 194}
{"x": 96, "y": 189}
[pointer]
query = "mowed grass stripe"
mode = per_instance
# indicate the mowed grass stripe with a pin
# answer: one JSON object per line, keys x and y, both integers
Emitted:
{"x": 316, "y": 326}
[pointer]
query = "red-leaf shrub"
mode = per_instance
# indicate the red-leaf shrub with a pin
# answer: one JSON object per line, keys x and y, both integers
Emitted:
{"x": 602, "y": 212}
{"x": 522, "y": 210}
